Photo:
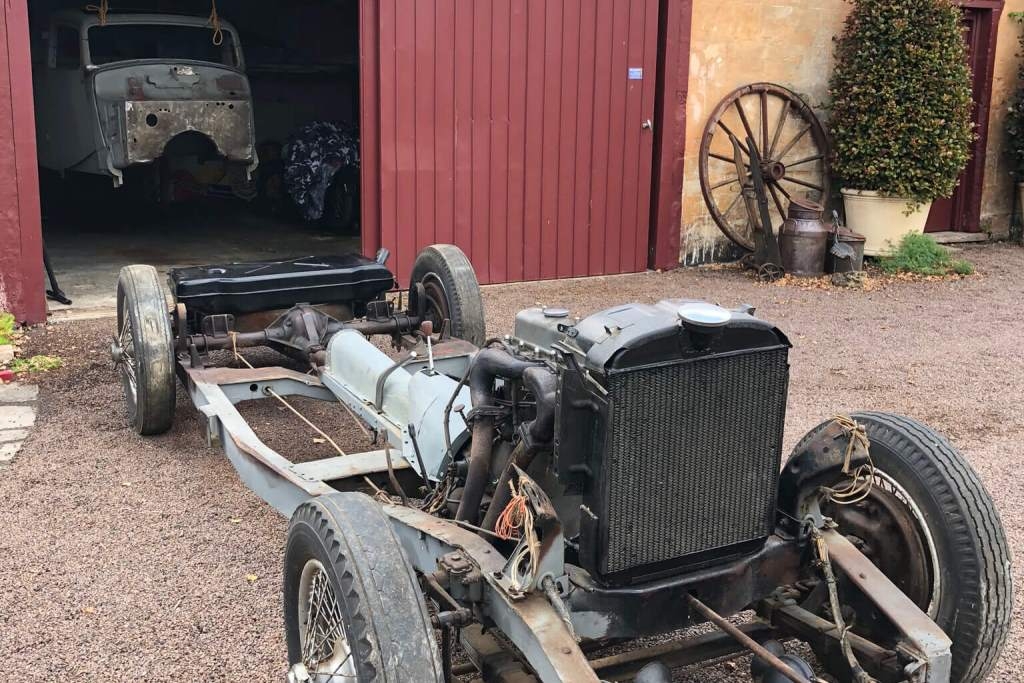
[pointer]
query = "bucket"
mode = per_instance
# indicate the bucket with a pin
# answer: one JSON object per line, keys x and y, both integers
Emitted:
{"x": 846, "y": 252}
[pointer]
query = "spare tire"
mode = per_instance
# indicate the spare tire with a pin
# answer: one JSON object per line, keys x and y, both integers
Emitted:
{"x": 452, "y": 291}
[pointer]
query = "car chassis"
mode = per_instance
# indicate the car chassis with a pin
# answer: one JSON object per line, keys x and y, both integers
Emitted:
{"x": 551, "y": 625}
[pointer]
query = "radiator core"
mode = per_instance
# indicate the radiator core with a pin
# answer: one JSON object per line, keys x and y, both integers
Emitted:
{"x": 692, "y": 456}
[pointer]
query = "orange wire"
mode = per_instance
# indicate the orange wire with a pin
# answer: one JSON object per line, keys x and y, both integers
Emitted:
{"x": 513, "y": 517}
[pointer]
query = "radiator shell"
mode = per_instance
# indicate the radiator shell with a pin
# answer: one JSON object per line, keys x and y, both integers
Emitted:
{"x": 674, "y": 445}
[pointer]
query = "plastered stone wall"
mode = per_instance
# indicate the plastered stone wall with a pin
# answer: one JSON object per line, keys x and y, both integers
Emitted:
{"x": 736, "y": 42}
{"x": 997, "y": 198}
{"x": 790, "y": 42}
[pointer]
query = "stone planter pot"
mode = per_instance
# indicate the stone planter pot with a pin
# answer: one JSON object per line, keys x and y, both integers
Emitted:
{"x": 882, "y": 220}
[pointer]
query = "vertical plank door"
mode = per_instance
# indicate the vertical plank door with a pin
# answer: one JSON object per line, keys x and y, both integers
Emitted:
{"x": 515, "y": 129}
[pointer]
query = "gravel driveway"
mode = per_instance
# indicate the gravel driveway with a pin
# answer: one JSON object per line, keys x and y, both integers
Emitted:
{"x": 129, "y": 559}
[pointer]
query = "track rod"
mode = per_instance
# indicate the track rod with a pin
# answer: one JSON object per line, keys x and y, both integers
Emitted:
{"x": 747, "y": 642}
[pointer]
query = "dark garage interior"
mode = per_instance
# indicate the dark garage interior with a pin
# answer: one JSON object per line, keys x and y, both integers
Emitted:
{"x": 191, "y": 204}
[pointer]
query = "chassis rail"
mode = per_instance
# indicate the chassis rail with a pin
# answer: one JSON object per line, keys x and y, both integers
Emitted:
{"x": 527, "y": 619}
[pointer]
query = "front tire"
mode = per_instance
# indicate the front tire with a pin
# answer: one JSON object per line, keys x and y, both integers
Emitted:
{"x": 347, "y": 582}
{"x": 932, "y": 528}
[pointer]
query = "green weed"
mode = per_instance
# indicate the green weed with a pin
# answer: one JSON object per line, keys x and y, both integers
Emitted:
{"x": 6, "y": 328}
{"x": 36, "y": 364}
{"x": 922, "y": 255}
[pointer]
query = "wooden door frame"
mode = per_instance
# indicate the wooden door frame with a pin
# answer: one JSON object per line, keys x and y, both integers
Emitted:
{"x": 369, "y": 126}
{"x": 21, "y": 240}
{"x": 967, "y": 197}
{"x": 674, "y": 23}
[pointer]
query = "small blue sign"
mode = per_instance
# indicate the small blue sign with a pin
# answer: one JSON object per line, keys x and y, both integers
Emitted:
{"x": 636, "y": 74}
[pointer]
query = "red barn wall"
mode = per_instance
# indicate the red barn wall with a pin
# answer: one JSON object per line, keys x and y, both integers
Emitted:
{"x": 21, "y": 256}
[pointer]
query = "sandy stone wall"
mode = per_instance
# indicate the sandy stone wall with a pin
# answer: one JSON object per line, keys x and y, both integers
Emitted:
{"x": 736, "y": 42}
{"x": 997, "y": 199}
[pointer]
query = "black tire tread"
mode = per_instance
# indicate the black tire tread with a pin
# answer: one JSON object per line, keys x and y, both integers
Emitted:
{"x": 976, "y": 533}
{"x": 467, "y": 308}
{"x": 390, "y": 623}
{"x": 145, "y": 300}
{"x": 982, "y": 625}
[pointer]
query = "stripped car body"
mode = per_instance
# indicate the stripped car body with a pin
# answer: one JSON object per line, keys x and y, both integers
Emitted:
{"x": 115, "y": 93}
{"x": 543, "y": 426}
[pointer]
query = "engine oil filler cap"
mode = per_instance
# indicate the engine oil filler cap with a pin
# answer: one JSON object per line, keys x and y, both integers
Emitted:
{"x": 704, "y": 315}
{"x": 555, "y": 312}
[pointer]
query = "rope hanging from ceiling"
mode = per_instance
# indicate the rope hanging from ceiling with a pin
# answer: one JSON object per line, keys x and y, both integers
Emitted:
{"x": 101, "y": 10}
{"x": 214, "y": 22}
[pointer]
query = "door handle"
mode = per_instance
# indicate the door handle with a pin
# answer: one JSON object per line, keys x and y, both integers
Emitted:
{"x": 647, "y": 125}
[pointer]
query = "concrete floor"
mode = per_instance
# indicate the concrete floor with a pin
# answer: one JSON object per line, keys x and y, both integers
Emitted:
{"x": 89, "y": 246}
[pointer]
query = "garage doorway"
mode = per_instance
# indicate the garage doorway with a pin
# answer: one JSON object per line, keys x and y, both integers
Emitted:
{"x": 273, "y": 172}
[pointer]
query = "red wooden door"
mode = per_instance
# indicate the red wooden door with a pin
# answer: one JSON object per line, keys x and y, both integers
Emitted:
{"x": 516, "y": 130}
{"x": 955, "y": 213}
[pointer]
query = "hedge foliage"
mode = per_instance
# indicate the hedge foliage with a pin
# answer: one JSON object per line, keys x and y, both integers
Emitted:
{"x": 901, "y": 99}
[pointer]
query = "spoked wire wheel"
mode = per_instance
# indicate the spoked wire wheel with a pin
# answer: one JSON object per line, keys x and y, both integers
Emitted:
{"x": 353, "y": 609}
{"x": 143, "y": 349}
{"x": 123, "y": 354}
{"x": 326, "y": 653}
{"x": 790, "y": 141}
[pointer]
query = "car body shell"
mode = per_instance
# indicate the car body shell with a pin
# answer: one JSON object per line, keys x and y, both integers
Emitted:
{"x": 102, "y": 118}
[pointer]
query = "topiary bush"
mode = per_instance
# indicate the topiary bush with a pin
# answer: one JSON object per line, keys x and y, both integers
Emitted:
{"x": 901, "y": 99}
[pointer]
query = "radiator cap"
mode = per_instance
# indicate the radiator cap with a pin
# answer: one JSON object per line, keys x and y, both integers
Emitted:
{"x": 702, "y": 314}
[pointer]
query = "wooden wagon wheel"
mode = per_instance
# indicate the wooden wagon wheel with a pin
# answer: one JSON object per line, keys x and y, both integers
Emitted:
{"x": 792, "y": 145}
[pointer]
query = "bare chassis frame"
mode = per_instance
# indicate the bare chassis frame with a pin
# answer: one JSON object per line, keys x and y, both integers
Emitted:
{"x": 528, "y": 621}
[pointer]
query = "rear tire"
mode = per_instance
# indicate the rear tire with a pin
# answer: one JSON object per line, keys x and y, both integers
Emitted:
{"x": 958, "y": 533}
{"x": 452, "y": 290}
{"x": 144, "y": 350}
{"x": 347, "y": 543}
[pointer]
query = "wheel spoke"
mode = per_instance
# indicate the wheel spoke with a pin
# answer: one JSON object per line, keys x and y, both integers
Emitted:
{"x": 792, "y": 143}
{"x": 335, "y": 674}
{"x": 778, "y": 129}
{"x": 722, "y": 157}
{"x": 778, "y": 202}
{"x": 797, "y": 181}
{"x": 325, "y": 650}
{"x": 745, "y": 122}
{"x": 127, "y": 361}
{"x": 764, "y": 121}
{"x": 724, "y": 183}
{"x": 783, "y": 191}
{"x": 732, "y": 135}
{"x": 732, "y": 205}
{"x": 806, "y": 160}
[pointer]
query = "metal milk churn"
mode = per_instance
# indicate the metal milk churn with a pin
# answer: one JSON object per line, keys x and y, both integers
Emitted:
{"x": 803, "y": 239}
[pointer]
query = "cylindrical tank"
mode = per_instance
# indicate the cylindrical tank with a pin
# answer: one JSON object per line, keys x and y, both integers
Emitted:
{"x": 803, "y": 239}
{"x": 845, "y": 253}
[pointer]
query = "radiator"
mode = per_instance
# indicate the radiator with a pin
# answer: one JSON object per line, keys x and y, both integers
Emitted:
{"x": 691, "y": 458}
